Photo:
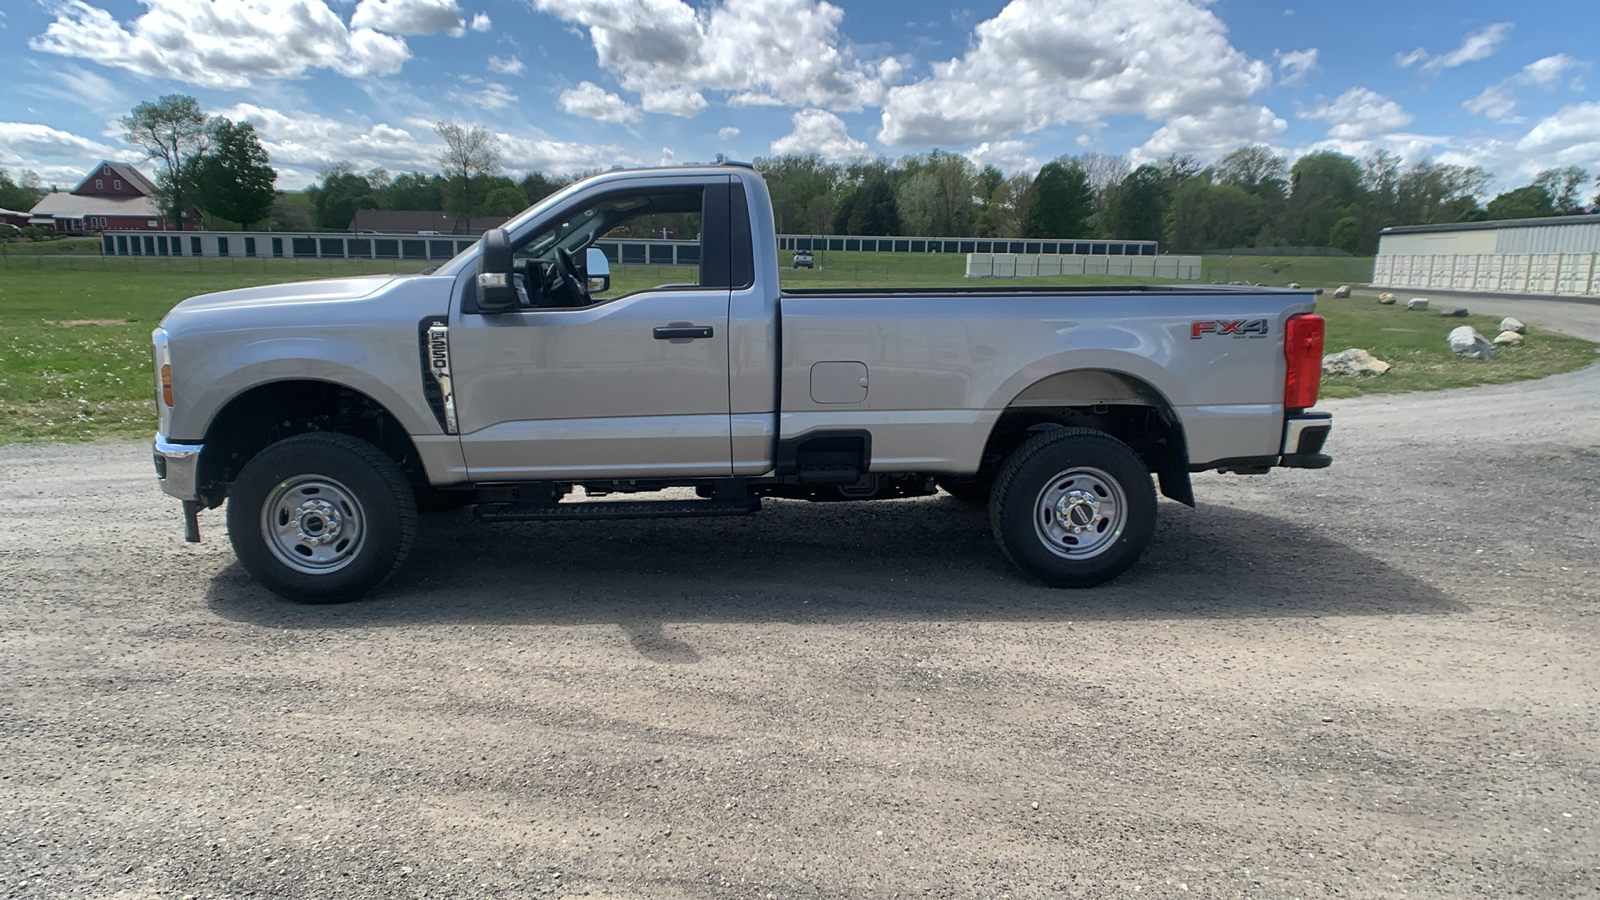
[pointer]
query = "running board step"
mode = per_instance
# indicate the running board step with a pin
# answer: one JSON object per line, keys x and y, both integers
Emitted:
{"x": 617, "y": 509}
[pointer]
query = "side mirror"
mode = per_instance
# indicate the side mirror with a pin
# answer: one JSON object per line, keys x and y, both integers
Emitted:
{"x": 497, "y": 291}
{"x": 598, "y": 270}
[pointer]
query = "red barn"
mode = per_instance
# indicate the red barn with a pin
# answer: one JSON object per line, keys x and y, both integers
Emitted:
{"x": 113, "y": 197}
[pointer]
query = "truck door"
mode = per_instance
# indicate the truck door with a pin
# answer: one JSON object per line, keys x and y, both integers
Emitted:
{"x": 630, "y": 381}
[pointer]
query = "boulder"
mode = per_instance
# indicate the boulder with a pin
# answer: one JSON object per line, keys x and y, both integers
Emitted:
{"x": 1417, "y": 303}
{"x": 1453, "y": 312}
{"x": 1354, "y": 362}
{"x": 1508, "y": 338}
{"x": 1386, "y": 298}
{"x": 1467, "y": 343}
{"x": 1342, "y": 292}
{"x": 1510, "y": 324}
{"x": 1294, "y": 285}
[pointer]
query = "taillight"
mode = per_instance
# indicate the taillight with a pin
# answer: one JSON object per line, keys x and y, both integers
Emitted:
{"x": 1302, "y": 349}
{"x": 166, "y": 384}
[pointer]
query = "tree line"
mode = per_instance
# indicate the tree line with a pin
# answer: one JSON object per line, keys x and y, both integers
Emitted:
{"x": 1251, "y": 197}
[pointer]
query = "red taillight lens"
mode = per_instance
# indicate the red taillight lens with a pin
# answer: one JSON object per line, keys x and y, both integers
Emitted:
{"x": 1302, "y": 348}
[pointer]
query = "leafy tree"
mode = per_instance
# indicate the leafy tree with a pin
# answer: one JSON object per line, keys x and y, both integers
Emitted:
{"x": 342, "y": 193}
{"x": 22, "y": 194}
{"x": 1059, "y": 202}
{"x": 1530, "y": 202}
{"x": 505, "y": 200}
{"x": 537, "y": 185}
{"x": 1345, "y": 235}
{"x": 1206, "y": 216}
{"x": 936, "y": 197}
{"x": 469, "y": 151}
{"x": 171, "y": 131}
{"x": 414, "y": 190}
{"x": 794, "y": 182}
{"x": 232, "y": 179}
{"x": 1563, "y": 185}
{"x": 1138, "y": 207}
{"x": 1323, "y": 188}
{"x": 1256, "y": 169}
{"x": 870, "y": 209}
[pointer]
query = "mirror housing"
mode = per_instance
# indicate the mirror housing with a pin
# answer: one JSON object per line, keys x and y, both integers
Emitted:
{"x": 598, "y": 270}
{"x": 497, "y": 291}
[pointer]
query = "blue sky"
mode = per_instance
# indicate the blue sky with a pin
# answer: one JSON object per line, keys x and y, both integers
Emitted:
{"x": 576, "y": 85}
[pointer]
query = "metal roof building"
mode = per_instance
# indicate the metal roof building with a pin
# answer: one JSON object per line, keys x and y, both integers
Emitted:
{"x": 1557, "y": 255}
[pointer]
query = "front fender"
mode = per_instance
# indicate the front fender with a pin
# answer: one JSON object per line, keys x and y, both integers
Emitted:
{"x": 391, "y": 376}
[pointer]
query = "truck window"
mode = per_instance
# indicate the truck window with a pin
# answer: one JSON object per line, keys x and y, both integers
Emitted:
{"x": 652, "y": 238}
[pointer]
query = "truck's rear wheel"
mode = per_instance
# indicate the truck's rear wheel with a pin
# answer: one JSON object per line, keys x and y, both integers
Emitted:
{"x": 321, "y": 518}
{"x": 1073, "y": 507}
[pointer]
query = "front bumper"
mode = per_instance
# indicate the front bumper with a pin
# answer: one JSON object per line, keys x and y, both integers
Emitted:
{"x": 177, "y": 467}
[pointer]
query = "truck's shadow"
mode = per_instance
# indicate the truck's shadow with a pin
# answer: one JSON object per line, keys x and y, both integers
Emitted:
{"x": 915, "y": 560}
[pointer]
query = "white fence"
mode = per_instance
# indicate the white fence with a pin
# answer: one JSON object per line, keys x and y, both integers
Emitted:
{"x": 1022, "y": 265}
{"x": 1577, "y": 274}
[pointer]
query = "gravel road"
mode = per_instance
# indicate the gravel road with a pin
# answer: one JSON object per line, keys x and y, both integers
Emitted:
{"x": 1375, "y": 680}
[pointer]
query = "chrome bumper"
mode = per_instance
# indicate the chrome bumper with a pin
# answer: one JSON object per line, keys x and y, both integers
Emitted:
{"x": 177, "y": 467}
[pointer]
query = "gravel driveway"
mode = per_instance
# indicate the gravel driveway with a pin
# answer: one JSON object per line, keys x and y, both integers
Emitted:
{"x": 1375, "y": 680}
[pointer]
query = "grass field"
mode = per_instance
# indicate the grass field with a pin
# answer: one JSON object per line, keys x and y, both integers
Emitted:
{"x": 75, "y": 355}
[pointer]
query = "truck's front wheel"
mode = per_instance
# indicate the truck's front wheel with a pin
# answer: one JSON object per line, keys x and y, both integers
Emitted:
{"x": 1073, "y": 507}
{"x": 321, "y": 518}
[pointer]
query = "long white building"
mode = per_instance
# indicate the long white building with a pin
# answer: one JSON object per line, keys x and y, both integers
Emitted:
{"x": 1558, "y": 255}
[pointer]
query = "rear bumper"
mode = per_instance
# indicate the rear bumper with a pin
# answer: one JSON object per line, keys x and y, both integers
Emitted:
{"x": 1304, "y": 433}
{"x": 1303, "y": 437}
{"x": 177, "y": 467}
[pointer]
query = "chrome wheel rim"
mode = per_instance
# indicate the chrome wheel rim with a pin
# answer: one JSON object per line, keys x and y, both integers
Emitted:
{"x": 313, "y": 524}
{"x": 1080, "y": 513}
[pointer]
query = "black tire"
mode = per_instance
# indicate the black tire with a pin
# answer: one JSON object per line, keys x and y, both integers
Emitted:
{"x": 345, "y": 517}
{"x": 968, "y": 490}
{"x": 1073, "y": 507}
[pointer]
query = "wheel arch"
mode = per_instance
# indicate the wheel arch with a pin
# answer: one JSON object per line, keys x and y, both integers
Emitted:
{"x": 1123, "y": 405}
{"x": 263, "y": 414}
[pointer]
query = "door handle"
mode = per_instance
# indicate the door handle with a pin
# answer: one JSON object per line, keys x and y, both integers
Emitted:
{"x": 682, "y": 332}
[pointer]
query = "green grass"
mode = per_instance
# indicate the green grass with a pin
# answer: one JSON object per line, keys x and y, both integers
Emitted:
{"x": 1311, "y": 271}
{"x": 75, "y": 350}
{"x": 60, "y": 246}
{"x": 1413, "y": 343}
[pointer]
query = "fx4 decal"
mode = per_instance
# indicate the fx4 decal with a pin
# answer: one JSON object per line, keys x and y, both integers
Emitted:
{"x": 1237, "y": 327}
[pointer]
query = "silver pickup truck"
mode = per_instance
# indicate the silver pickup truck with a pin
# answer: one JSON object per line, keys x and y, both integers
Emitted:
{"x": 524, "y": 379}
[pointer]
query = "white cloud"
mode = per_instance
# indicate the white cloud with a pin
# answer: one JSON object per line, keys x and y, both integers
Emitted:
{"x": 23, "y": 142}
{"x": 1498, "y": 101}
{"x": 1479, "y": 45}
{"x": 407, "y": 16}
{"x": 591, "y": 101}
{"x": 542, "y": 154}
{"x": 1041, "y": 63}
{"x": 675, "y": 101}
{"x": 223, "y": 44}
{"x": 1010, "y": 157}
{"x": 481, "y": 22}
{"x": 727, "y": 133}
{"x": 492, "y": 95}
{"x": 1211, "y": 135}
{"x": 1568, "y": 137}
{"x": 511, "y": 66}
{"x": 788, "y": 49}
{"x": 1295, "y": 65}
{"x": 1360, "y": 113}
{"x": 819, "y": 131}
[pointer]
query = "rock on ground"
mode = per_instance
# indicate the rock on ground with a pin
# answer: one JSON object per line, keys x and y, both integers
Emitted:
{"x": 1467, "y": 343}
{"x": 1386, "y": 298}
{"x": 1510, "y": 324}
{"x": 1354, "y": 361}
{"x": 1417, "y": 303}
{"x": 1508, "y": 338}
{"x": 1453, "y": 312}
{"x": 1342, "y": 292}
